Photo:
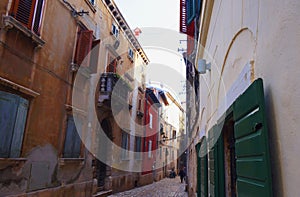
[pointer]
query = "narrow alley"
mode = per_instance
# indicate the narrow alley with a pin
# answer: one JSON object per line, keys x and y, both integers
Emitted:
{"x": 166, "y": 187}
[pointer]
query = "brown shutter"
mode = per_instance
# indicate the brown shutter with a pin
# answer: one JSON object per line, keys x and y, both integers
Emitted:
{"x": 94, "y": 56}
{"x": 84, "y": 46}
{"x": 23, "y": 11}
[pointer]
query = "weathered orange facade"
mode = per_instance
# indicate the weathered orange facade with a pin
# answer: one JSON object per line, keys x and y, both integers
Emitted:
{"x": 38, "y": 65}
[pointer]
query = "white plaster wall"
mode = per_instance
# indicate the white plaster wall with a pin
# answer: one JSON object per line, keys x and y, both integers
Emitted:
{"x": 266, "y": 32}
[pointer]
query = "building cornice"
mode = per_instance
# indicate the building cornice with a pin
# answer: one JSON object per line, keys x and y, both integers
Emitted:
{"x": 116, "y": 13}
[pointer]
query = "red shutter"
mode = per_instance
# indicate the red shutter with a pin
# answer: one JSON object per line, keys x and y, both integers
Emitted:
{"x": 84, "y": 46}
{"x": 23, "y": 11}
{"x": 183, "y": 28}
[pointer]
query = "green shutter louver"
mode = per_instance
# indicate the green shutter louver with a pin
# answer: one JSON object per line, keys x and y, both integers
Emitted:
{"x": 191, "y": 10}
{"x": 251, "y": 143}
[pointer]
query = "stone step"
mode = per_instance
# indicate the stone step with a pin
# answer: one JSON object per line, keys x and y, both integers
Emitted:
{"x": 103, "y": 193}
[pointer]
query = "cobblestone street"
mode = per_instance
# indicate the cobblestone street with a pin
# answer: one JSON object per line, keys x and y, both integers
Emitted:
{"x": 166, "y": 187}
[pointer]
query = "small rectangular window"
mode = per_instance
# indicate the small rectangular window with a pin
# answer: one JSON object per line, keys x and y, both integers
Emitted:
{"x": 149, "y": 149}
{"x": 130, "y": 54}
{"x": 138, "y": 147}
{"x": 124, "y": 145}
{"x": 150, "y": 121}
{"x": 115, "y": 30}
{"x": 72, "y": 145}
{"x": 160, "y": 152}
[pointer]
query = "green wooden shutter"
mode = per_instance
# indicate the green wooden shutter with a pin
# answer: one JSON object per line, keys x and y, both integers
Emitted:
{"x": 251, "y": 146}
{"x": 198, "y": 169}
{"x": 216, "y": 162}
{"x": 219, "y": 162}
{"x": 190, "y": 10}
{"x": 202, "y": 175}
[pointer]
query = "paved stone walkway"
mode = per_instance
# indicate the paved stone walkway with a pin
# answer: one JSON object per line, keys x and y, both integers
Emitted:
{"x": 164, "y": 188}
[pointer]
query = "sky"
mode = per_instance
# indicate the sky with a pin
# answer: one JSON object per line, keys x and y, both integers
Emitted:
{"x": 160, "y": 39}
{"x": 150, "y": 13}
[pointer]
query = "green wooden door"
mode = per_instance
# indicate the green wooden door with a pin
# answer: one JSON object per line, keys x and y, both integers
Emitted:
{"x": 251, "y": 143}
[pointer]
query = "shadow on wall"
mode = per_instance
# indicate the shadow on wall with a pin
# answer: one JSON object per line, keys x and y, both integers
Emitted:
{"x": 274, "y": 144}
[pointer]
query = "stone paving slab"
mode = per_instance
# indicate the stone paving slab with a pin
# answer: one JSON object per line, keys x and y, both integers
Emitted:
{"x": 165, "y": 188}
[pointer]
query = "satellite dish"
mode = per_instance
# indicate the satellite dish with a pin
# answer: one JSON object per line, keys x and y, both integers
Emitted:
{"x": 116, "y": 44}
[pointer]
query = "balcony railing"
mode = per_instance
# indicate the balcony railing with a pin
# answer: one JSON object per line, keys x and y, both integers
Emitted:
{"x": 112, "y": 85}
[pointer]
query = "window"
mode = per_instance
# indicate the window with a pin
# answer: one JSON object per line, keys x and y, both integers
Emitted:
{"x": 92, "y": 2}
{"x": 87, "y": 50}
{"x": 150, "y": 120}
{"x": 112, "y": 64}
{"x": 140, "y": 105}
{"x": 13, "y": 109}
{"x": 138, "y": 147}
{"x": 130, "y": 54}
{"x": 149, "y": 148}
{"x": 125, "y": 145}
{"x": 115, "y": 30}
{"x": 174, "y": 134}
{"x": 29, "y": 13}
{"x": 72, "y": 141}
{"x": 160, "y": 152}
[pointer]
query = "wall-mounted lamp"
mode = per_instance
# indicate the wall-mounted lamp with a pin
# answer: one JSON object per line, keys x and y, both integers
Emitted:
{"x": 203, "y": 66}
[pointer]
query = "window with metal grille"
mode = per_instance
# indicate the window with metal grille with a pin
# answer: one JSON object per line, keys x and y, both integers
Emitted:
{"x": 29, "y": 13}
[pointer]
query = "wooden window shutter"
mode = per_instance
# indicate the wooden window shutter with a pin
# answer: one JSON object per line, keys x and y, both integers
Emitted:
{"x": 23, "y": 11}
{"x": 253, "y": 167}
{"x": 13, "y": 110}
{"x": 20, "y": 122}
{"x": 72, "y": 141}
{"x": 84, "y": 46}
{"x": 183, "y": 27}
{"x": 94, "y": 57}
{"x": 8, "y": 109}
